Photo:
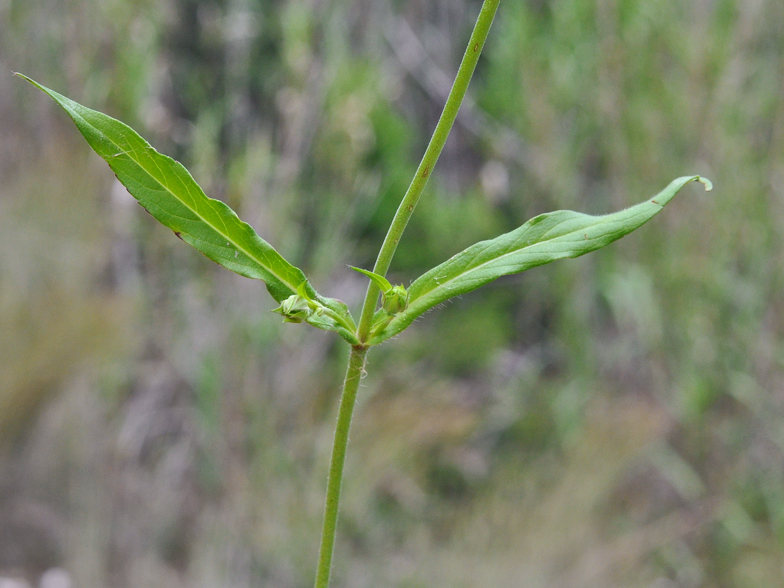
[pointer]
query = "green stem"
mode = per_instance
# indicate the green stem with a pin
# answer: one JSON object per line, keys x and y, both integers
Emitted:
{"x": 356, "y": 364}
{"x": 425, "y": 169}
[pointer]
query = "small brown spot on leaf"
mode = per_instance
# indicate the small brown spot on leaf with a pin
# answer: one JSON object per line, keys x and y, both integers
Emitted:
{"x": 426, "y": 171}
{"x": 476, "y": 47}
{"x": 655, "y": 202}
{"x": 410, "y": 208}
{"x": 179, "y": 236}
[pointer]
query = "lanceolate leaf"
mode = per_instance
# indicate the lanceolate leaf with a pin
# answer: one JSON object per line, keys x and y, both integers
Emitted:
{"x": 168, "y": 192}
{"x": 382, "y": 283}
{"x": 545, "y": 238}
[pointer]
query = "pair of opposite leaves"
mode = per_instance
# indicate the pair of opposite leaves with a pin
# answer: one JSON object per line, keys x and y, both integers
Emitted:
{"x": 165, "y": 188}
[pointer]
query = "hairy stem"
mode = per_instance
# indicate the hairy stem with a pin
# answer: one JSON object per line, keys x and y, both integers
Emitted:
{"x": 425, "y": 169}
{"x": 356, "y": 364}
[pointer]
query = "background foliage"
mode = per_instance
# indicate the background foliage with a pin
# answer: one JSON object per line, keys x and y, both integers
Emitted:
{"x": 615, "y": 420}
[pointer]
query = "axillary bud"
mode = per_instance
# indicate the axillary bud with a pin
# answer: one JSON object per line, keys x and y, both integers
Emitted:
{"x": 294, "y": 309}
{"x": 395, "y": 299}
{"x": 298, "y": 307}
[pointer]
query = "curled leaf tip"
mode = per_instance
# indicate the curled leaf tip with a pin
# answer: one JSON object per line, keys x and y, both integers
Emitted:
{"x": 706, "y": 182}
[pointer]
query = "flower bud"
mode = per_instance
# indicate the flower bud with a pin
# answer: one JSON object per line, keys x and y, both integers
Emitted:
{"x": 294, "y": 309}
{"x": 395, "y": 299}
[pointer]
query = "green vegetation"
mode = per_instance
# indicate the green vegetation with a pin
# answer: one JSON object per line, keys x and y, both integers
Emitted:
{"x": 564, "y": 415}
{"x": 167, "y": 191}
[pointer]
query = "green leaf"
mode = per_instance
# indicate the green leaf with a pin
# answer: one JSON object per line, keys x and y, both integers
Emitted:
{"x": 382, "y": 283}
{"x": 168, "y": 192}
{"x": 545, "y": 238}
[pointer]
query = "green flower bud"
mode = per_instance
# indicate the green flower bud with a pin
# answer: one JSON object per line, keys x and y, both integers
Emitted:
{"x": 294, "y": 309}
{"x": 395, "y": 299}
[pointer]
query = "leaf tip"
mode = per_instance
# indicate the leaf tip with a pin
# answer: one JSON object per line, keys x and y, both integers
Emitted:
{"x": 33, "y": 82}
{"x": 379, "y": 280}
{"x": 705, "y": 182}
{"x": 24, "y": 77}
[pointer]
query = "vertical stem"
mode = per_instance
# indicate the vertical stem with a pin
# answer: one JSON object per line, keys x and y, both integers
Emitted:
{"x": 425, "y": 169}
{"x": 356, "y": 364}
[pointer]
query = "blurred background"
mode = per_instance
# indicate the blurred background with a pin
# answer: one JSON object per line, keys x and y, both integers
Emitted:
{"x": 615, "y": 420}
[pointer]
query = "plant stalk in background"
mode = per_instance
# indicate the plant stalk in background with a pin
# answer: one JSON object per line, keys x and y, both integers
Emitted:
{"x": 168, "y": 192}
